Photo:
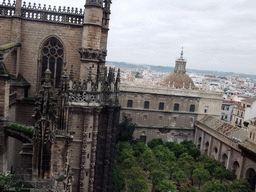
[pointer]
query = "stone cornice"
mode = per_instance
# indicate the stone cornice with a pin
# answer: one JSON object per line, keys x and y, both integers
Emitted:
{"x": 171, "y": 91}
{"x": 87, "y": 54}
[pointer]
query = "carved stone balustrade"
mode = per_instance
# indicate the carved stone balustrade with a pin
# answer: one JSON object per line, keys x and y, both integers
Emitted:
{"x": 64, "y": 15}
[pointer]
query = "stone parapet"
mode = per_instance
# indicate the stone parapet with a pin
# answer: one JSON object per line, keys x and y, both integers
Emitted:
{"x": 66, "y": 15}
{"x": 88, "y": 93}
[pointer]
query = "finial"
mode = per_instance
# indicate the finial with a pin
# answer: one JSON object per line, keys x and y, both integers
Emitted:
{"x": 90, "y": 75}
{"x": 71, "y": 76}
{"x": 181, "y": 54}
{"x": 47, "y": 83}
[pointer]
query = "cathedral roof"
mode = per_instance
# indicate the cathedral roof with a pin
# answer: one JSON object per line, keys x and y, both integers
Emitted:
{"x": 179, "y": 79}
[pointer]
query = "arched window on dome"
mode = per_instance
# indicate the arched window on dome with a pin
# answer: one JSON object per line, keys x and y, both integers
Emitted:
{"x": 52, "y": 58}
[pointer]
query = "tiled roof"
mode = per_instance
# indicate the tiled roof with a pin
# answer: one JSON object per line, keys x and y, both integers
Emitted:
{"x": 234, "y": 133}
{"x": 249, "y": 145}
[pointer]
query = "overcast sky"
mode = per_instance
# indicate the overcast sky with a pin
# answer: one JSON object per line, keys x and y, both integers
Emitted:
{"x": 216, "y": 34}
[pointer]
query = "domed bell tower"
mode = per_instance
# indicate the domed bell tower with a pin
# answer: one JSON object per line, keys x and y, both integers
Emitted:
{"x": 180, "y": 64}
{"x": 95, "y": 33}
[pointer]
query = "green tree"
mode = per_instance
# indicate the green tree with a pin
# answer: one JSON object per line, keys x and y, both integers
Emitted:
{"x": 201, "y": 175}
{"x": 180, "y": 177}
{"x": 166, "y": 186}
{"x": 188, "y": 188}
{"x": 7, "y": 181}
{"x": 170, "y": 167}
{"x": 194, "y": 152}
{"x": 148, "y": 161}
{"x": 176, "y": 148}
{"x": 239, "y": 185}
{"x": 208, "y": 163}
{"x": 138, "y": 185}
{"x": 222, "y": 174}
{"x": 163, "y": 153}
{"x": 118, "y": 182}
{"x": 125, "y": 129}
{"x": 124, "y": 154}
{"x": 139, "y": 148}
{"x": 185, "y": 158}
{"x": 189, "y": 168}
{"x": 121, "y": 146}
{"x": 134, "y": 172}
{"x": 214, "y": 186}
{"x": 129, "y": 162}
{"x": 154, "y": 142}
{"x": 156, "y": 176}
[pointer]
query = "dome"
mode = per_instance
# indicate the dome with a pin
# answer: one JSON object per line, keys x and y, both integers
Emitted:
{"x": 179, "y": 80}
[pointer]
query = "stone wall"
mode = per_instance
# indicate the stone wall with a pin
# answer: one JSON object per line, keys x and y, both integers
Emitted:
{"x": 33, "y": 35}
{"x": 25, "y": 112}
{"x": 82, "y": 125}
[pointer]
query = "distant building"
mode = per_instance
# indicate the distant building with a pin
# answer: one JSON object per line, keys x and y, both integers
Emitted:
{"x": 243, "y": 110}
{"x": 168, "y": 111}
{"x": 227, "y": 110}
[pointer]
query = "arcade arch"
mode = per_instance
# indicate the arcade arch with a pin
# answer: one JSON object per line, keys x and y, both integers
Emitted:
{"x": 251, "y": 178}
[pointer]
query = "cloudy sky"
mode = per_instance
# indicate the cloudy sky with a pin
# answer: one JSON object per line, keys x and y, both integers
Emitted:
{"x": 216, "y": 34}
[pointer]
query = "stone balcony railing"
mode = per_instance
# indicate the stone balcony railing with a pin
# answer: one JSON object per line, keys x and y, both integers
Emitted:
{"x": 64, "y": 15}
{"x": 95, "y": 97}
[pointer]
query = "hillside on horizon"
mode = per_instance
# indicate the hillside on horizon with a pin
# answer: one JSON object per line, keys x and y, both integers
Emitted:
{"x": 166, "y": 69}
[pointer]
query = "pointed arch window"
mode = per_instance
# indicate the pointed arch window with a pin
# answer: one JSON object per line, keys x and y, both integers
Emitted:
{"x": 52, "y": 58}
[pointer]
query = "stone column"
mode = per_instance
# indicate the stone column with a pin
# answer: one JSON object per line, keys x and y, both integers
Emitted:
{"x": 220, "y": 151}
{"x": 4, "y": 109}
{"x": 202, "y": 142}
{"x": 3, "y": 163}
{"x": 210, "y": 147}
{"x": 16, "y": 32}
{"x": 230, "y": 154}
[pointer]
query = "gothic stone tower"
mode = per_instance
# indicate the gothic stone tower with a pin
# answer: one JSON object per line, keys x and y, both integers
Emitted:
{"x": 95, "y": 33}
{"x": 74, "y": 138}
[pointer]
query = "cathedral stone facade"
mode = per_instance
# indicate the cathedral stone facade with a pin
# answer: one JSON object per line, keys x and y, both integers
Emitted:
{"x": 52, "y": 59}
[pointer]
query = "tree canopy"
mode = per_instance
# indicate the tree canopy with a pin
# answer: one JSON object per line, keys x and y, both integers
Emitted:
{"x": 214, "y": 186}
{"x": 239, "y": 185}
{"x": 169, "y": 166}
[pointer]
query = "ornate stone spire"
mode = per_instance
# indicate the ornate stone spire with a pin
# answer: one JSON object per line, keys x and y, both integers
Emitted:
{"x": 107, "y": 5}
